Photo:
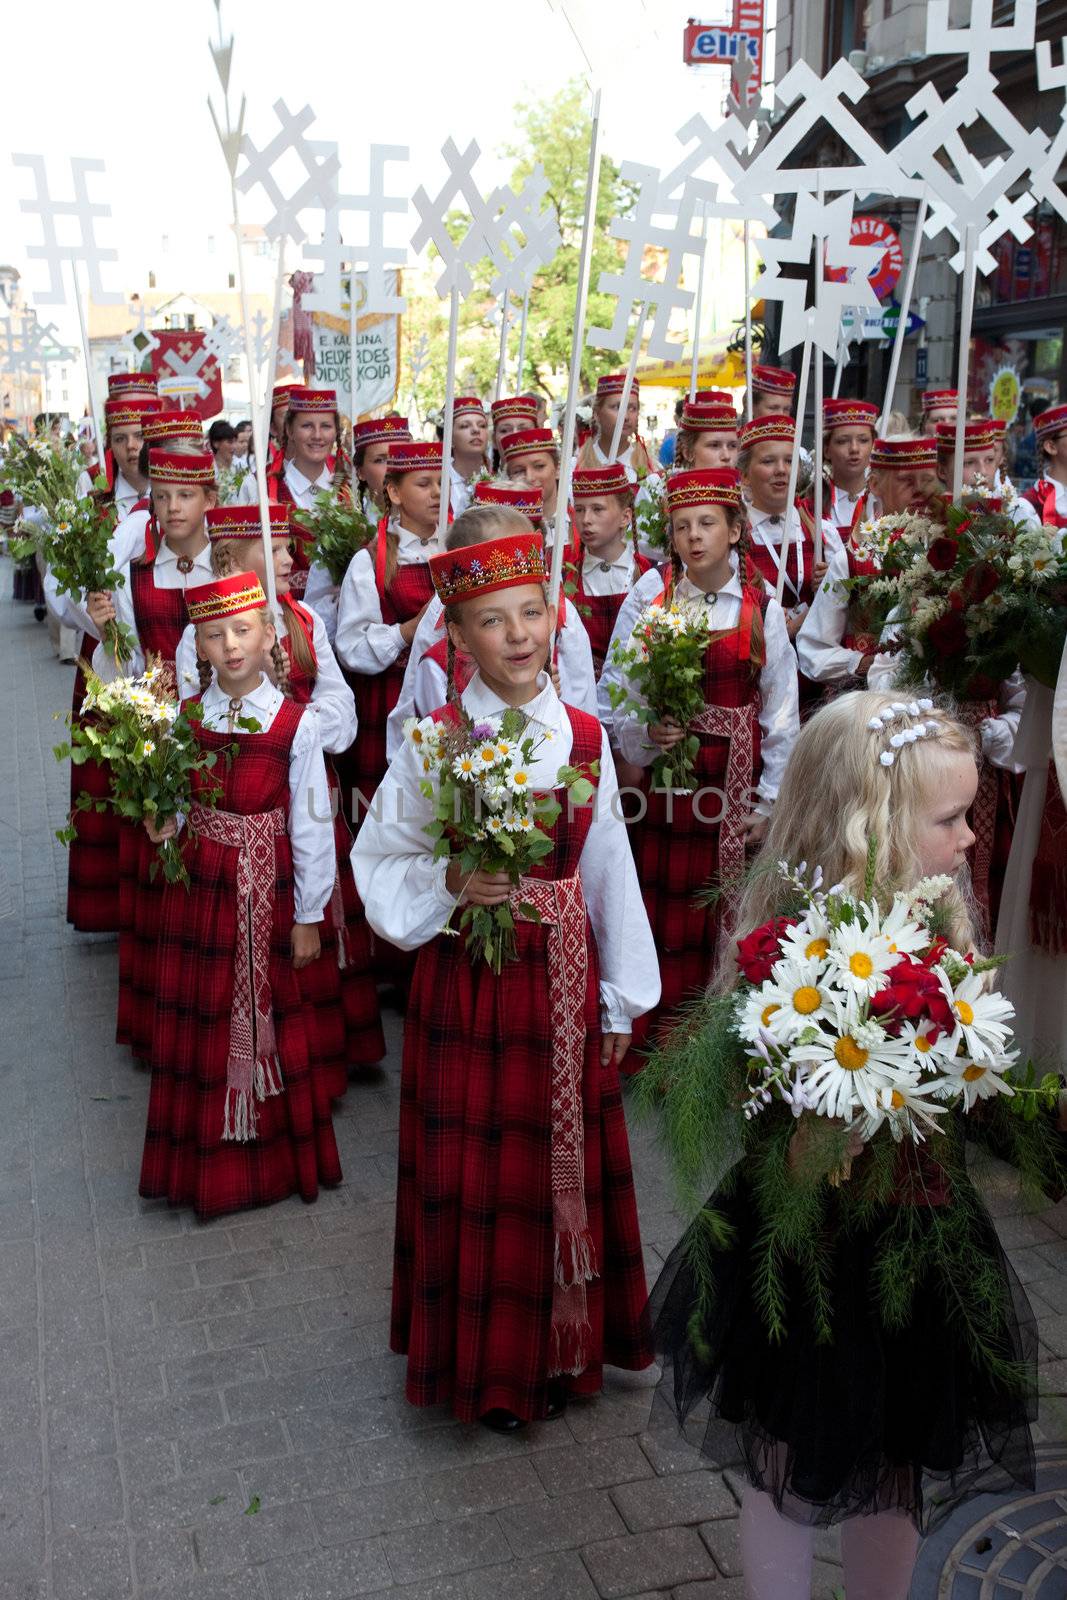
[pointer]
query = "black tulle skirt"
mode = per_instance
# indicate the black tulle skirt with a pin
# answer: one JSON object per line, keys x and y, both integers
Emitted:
{"x": 877, "y": 1419}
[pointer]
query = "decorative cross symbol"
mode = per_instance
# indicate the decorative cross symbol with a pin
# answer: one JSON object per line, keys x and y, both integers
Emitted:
{"x": 85, "y": 247}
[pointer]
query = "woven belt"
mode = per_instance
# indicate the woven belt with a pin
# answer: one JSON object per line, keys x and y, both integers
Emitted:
{"x": 737, "y": 724}
{"x": 560, "y": 905}
{"x": 253, "y": 1070}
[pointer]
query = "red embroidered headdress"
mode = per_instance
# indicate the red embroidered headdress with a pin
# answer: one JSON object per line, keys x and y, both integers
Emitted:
{"x": 595, "y": 482}
{"x": 515, "y": 408}
{"x": 1053, "y": 420}
{"x": 760, "y": 429}
{"x": 166, "y": 425}
{"x": 415, "y": 456}
{"x": 380, "y": 430}
{"x": 934, "y": 399}
{"x": 478, "y": 569}
{"x": 122, "y": 384}
{"x": 904, "y": 455}
{"x": 170, "y": 466}
{"x": 701, "y": 417}
{"x": 128, "y": 411}
{"x": 226, "y": 597}
{"x": 848, "y": 414}
{"x": 465, "y": 404}
{"x": 714, "y": 397}
{"x": 529, "y": 442}
{"x": 978, "y": 435}
{"x": 301, "y": 399}
{"x": 527, "y": 498}
{"x": 244, "y": 522}
{"x": 774, "y": 380}
{"x": 714, "y": 486}
{"x": 614, "y": 383}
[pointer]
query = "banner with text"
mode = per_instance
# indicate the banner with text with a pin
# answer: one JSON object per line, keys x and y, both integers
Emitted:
{"x": 377, "y": 353}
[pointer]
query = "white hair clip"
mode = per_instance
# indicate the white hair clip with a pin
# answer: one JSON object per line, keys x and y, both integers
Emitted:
{"x": 875, "y": 724}
{"x": 887, "y": 758}
{"x": 903, "y": 736}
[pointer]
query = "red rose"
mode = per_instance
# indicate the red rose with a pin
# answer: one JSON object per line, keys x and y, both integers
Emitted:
{"x": 912, "y": 993}
{"x": 942, "y": 554}
{"x": 978, "y": 582}
{"x": 948, "y": 635}
{"x": 759, "y": 950}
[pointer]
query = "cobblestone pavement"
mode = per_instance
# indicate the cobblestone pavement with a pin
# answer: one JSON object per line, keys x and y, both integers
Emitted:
{"x": 195, "y": 1412}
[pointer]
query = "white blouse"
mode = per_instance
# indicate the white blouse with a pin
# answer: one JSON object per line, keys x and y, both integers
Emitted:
{"x": 818, "y": 642}
{"x": 403, "y": 887}
{"x": 601, "y": 577}
{"x": 779, "y": 713}
{"x": 332, "y": 704}
{"x": 127, "y": 544}
{"x": 425, "y": 684}
{"x": 364, "y": 642}
{"x": 769, "y": 528}
{"x": 310, "y": 821}
{"x": 165, "y": 575}
{"x": 302, "y": 489}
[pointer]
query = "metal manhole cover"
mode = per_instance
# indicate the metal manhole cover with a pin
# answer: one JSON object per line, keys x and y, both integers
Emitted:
{"x": 1000, "y": 1548}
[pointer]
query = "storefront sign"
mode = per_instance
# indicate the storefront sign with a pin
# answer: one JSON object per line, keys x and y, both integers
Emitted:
{"x": 886, "y": 275}
{"x": 1005, "y": 395}
{"x": 721, "y": 44}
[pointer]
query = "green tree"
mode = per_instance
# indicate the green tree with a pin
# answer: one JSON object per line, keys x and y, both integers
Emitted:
{"x": 554, "y": 132}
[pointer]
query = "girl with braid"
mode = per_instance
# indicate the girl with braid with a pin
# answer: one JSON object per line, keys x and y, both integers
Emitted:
{"x": 338, "y": 984}
{"x": 236, "y": 1115}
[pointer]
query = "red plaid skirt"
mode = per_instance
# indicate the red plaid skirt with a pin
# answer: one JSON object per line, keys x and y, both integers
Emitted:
{"x": 474, "y": 1252}
{"x": 140, "y": 906}
{"x": 185, "y": 1158}
{"x": 93, "y": 858}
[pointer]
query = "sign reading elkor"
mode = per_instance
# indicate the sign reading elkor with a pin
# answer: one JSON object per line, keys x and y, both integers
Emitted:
{"x": 723, "y": 44}
{"x": 377, "y": 352}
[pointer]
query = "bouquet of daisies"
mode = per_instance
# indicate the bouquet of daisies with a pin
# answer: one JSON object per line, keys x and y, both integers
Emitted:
{"x": 337, "y": 530}
{"x": 487, "y": 814}
{"x": 152, "y": 755}
{"x": 866, "y": 1015}
{"x": 650, "y": 514}
{"x": 663, "y": 676}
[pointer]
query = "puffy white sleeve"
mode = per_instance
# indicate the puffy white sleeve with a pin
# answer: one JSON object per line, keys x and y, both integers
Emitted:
{"x": 644, "y": 591}
{"x": 426, "y": 634}
{"x": 185, "y": 668}
{"x": 629, "y": 968}
{"x": 998, "y": 733}
{"x": 818, "y": 642}
{"x": 577, "y": 680}
{"x": 364, "y": 643}
{"x": 779, "y": 716}
{"x": 882, "y": 674}
{"x": 333, "y": 705}
{"x": 321, "y": 596}
{"x": 310, "y": 825}
{"x": 103, "y": 661}
{"x": 68, "y": 609}
{"x": 402, "y": 887}
{"x": 1024, "y": 514}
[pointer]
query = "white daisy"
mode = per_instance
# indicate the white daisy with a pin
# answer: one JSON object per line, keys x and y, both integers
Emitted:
{"x": 978, "y": 1082}
{"x": 518, "y": 780}
{"x": 983, "y": 1017}
{"x": 863, "y": 957}
{"x": 809, "y": 939}
{"x": 801, "y": 998}
{"x": 465, "y": 767}
{"x": 494, "y": 825}
{"x": 907, "y": 936}
{"x": 486, "y": 756}
{"x": 932, "y": 1049}
{"x": 844, "y": 1077}
{"x": 148, "y": 747}
{"x": 906, "y": 1109}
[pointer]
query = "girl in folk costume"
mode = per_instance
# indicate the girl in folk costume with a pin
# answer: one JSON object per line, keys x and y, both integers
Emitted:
{"x": 1048, "y": 496}
{"x": 707, "y": 436}
{"x": 604, "y": 565}
{"x": 236, "y": 1117}
{"x": 937, "y": 406}
{"x": 980, "y": 453}
{"x": 312, "y": 463}
{"x": 887, "y": 1416}
{"x": 763, "y": 461}
{"x": 531, "y": 456}
{"x": 338, "y": 983}
{"x": 151, "y": 602}
{"x": 425, "y": 684}
{"x": 371, "y": 441}
{"x": 837, "y": 644}
{"x": 773, "y": 391}
{"x": 848, "y": 438}
{"x": 384, "y": 594}
{"x": 507, "y": 416}
{"x": 279, "y": 410}
{"x": 470, "y": 449}
{"x": 517, "y": 1267}
{"x": 688, "y": 841}
{"x": 92, "y": 861}
{"x": 633, "y": 452}
{"x": 130, "y": 397}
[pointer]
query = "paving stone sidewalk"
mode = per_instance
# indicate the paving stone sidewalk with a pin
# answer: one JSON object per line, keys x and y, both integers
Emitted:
{"x": 193, "y": 1412}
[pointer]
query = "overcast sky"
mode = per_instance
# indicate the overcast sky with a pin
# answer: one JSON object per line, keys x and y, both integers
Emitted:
{"x": 129, "y": 83}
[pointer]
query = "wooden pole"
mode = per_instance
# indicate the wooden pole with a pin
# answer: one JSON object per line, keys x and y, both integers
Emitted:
{"x": 970, "y": 251}
{"x": 446, "y": 439}
{"x": 521, "y": 363}
{"x": 353, "y": 376}
{"x": 748, "y": 321}
{"x": 275, "y": 326}
{"x": 698, "y": 307}
{"x": 592, "y": 184}
{"x": 820, "y": 269}
{"x": 628, "y": 382}
{"x": 502, "y": 354}
{"x": 794, "y": 469}
{"x": 90, "y": 376}
{"x": 260, "y": 412}
{"x": 905, "y": 306}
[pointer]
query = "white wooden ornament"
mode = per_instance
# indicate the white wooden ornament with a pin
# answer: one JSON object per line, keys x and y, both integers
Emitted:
{"x": 80, "y": 249}
{"x": 318, "y": 159}
{"x": 223, "y": 340}
{"x": 368, "y": 250}
{"x": 814, "y": 223}
{"x": 647, "y": 229}
{"x": 717, "y": 157}
{"x": 483, "y": 235}
{"x": 139, "y": 341}
{"x": 530, "y": 231}
{"x": 1044, "y": 185}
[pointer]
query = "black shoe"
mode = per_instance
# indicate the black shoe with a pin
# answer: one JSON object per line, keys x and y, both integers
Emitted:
{"x": 501, "y": 1421}
{"x": 557, "y": 1401}
{"x": 40, "y": 613}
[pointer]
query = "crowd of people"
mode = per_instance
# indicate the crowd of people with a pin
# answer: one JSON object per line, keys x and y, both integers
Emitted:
{"x": 322, "y": 885}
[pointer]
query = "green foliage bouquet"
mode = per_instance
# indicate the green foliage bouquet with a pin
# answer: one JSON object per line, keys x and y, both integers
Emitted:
{"x": 663, "y": 676}
{"x": 488, "y": 816}
{"x": 338, "y": 531}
